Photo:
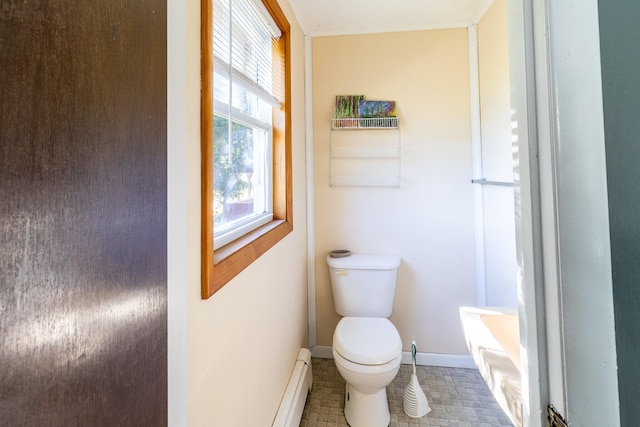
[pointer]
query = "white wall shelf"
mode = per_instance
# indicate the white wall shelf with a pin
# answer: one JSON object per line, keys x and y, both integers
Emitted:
{"x": 365, "y": 153}
{"x": 365, "y": 123}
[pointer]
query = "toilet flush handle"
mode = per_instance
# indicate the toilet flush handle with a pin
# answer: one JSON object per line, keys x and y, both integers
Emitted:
{"x": 342, "y": 272}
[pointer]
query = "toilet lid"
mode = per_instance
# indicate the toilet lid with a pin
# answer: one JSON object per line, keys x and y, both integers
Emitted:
{"x": 367, "y": 340}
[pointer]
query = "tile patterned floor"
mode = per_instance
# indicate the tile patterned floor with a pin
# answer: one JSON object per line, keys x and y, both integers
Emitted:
{"x": 457, "y": 397}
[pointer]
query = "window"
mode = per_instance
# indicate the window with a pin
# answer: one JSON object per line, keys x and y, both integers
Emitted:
{"x": 246, "y": 167}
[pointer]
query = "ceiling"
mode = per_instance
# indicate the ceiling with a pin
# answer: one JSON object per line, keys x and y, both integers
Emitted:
{"x": 338, "y": 17}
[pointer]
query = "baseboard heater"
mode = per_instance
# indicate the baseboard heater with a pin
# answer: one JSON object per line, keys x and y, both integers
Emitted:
{"x": 292, "y": 404}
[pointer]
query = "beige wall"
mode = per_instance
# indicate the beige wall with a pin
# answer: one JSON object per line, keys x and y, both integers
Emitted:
{"x": 493, "y": 64}
{"x": 497, "y": 156}
{"x": 428, "y": 221}
{"x": 230, "y": 356}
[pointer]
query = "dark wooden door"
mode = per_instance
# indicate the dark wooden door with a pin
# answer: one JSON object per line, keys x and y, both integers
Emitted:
{"x": 83, "y": 285}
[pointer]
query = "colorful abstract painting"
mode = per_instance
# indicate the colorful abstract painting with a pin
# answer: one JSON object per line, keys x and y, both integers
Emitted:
{"x": 375, "y": 109}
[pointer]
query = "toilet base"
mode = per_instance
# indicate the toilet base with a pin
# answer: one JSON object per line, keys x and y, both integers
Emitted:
{"x": 366, "y": 410}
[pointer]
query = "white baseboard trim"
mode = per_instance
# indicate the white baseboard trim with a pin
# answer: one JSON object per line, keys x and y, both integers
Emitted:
{"x": 438, "y": 359}
{"x": 422, "y": 359}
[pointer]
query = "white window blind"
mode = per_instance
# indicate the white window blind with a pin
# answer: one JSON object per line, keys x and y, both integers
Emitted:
{"x": 243, "y": 47}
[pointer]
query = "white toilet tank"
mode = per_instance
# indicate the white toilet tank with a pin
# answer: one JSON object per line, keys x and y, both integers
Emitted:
{"x": 364, "y": 285}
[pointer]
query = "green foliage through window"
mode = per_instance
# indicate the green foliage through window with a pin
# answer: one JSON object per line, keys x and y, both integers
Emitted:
{"x": 232, "y": 165}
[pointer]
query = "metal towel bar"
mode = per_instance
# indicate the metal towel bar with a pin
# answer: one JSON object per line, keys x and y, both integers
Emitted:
{"x": 484, "y": 181}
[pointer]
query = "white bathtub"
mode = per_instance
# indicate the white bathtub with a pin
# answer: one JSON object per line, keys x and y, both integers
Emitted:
{"x": 493, "y": 338}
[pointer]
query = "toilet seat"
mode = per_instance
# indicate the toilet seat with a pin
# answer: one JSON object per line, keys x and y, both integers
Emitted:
{"x": 367, "y": 340}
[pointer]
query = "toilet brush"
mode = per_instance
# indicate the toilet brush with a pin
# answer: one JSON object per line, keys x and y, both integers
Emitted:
{"x": 415, "y": 402}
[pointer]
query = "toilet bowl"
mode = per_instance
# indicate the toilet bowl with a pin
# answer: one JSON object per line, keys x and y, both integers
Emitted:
{"x": 367, "y": 352}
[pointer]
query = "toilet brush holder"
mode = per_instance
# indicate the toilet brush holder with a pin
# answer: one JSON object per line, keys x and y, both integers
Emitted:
{"x": 415, "y": 402}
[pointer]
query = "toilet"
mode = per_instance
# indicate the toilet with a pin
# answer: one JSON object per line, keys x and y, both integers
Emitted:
{"x": 367, "y": 348}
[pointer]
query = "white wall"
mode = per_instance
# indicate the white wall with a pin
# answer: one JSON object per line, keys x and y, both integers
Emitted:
{"x": 582, "y": 214}
{"x": 230, "y": 356}
{"x": 559, "y": 136}
{"x": 183, "y": 193}
{"x": 428, "y": 221}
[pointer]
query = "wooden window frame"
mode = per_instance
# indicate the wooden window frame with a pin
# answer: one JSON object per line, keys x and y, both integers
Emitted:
{"x": 223, "y": 264}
